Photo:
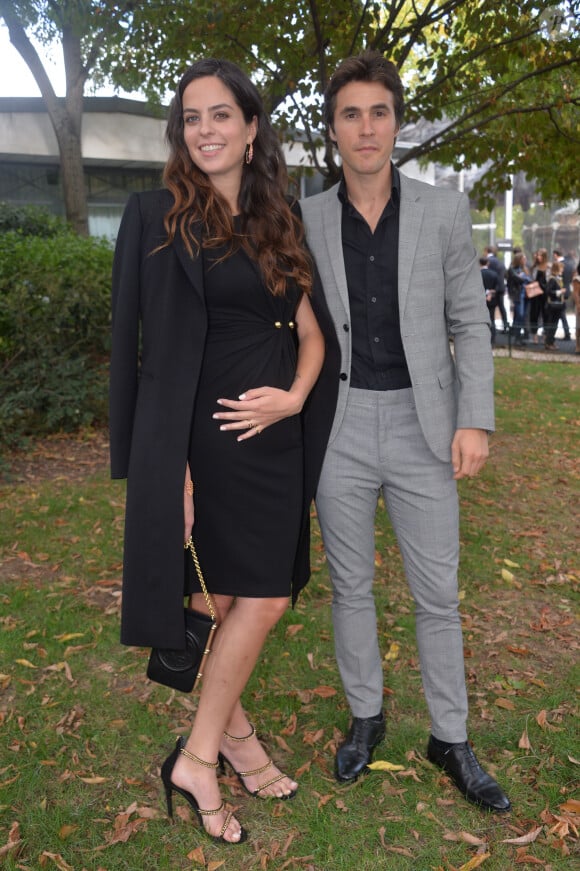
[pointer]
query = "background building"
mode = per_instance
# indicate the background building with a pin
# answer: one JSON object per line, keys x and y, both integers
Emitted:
{"x": 123, "y": 149}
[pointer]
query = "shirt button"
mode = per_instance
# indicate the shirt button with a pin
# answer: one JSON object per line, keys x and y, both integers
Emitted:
{"x": 372, "y": 258}
{"x": 373, "y": 299}
{"x": 376, "y": 339}
{"x": 345, "y": 327}
{"x": 343, "y": 376}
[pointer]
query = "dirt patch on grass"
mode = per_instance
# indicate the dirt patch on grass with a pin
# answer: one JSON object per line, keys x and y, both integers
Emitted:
{"x": 70, "y": 456}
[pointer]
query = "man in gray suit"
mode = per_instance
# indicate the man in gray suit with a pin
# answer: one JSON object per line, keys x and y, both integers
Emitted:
{"x": 401, "y": 275}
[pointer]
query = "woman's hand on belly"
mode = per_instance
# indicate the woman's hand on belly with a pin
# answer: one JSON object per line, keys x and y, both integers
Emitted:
{"x": 257, "y": 409}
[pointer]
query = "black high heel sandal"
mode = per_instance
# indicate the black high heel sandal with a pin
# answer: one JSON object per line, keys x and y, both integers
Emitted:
{"x": 170, "y": 788}
{"x": 241, "y": 774}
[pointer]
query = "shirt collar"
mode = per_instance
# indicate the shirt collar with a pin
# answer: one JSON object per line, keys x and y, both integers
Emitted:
{"x": 342, "y": 192}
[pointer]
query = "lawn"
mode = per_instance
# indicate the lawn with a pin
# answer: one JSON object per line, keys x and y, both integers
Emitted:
{"x": 83, "y": 732}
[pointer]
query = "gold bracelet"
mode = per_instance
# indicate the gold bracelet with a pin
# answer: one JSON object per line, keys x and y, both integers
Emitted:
{"x": 189, "y": 488}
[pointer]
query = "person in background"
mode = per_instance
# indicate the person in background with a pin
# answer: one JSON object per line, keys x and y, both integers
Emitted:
{"x": 400, "y": 273}
{"x": 220, "y": 397}
{"x": 576, "y": 294}
{"x": 490, "y": 283}
{"x": 512, "y": 287}
{"x": 555, "y": 302}
{"x": 519, "y": 277}
{"x": 536, "y": 305}
{"x": 497, "y": 266}
{"x": 557, "y": 256}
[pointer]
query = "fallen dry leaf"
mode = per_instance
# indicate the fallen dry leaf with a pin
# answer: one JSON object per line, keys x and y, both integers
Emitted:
{"x": 57, "y": 859}
{"x": 197, "y": 856}
{"x": 282, "y": 744}
{"x": 14, "y": 841}
{"x": 528, "y": 838}
{"x": 312, "y": 737}
{"x": 519, "y": 651}
{"x": 324, "y": 799}
{"x": 122, "y": 834}
{"x": 383, "y": 765}
{"x": 572, "y": 805}
{"x": 465, "y": 836}
{"x": 475, "y": 862}
{"x": 524, "y": 742}
{"x": 324, "y": 692}
{"x": 524, "y": 858}
{"x": 505, "y": 703}
{"x": 26, "y": 663}
{"x": 290, "y": 729}
{"x": 509, "y": 577}
{"x": 401, "y": 851}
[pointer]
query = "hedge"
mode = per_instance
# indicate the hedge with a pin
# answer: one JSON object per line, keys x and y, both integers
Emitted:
{"x": 54, "y": 330}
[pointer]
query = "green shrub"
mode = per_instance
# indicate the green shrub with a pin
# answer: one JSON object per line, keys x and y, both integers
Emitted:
{"x": 54, "y": 333}
{"x": 30, "y": 220}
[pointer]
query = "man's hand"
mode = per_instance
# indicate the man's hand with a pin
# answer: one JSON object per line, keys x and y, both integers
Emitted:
{"x": 469, "y": 451}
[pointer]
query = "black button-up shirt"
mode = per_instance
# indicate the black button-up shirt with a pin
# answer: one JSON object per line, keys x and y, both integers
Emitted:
{"x": 371, "y": 263}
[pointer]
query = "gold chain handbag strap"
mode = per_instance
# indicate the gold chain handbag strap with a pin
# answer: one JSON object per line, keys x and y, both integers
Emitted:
{"x": 189, "y": 545}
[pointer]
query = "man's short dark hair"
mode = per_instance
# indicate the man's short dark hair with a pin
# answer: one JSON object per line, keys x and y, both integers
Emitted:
{"x": 370, "y": 66}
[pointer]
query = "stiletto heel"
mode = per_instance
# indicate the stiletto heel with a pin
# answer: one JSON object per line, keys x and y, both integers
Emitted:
{"x": 170, "y": 788}
{"x": 222, "y": 759}
{"x": 169, "y": 800}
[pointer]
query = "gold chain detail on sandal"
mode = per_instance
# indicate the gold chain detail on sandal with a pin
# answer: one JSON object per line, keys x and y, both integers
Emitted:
{"x": 274, "y": 780}
{"x": 256, "y": 770}
{"x": 199, "y": 761}
{"x": 241, "y": 740}
{"x": 214, "y": 813}
{"x": 224, "y": 828}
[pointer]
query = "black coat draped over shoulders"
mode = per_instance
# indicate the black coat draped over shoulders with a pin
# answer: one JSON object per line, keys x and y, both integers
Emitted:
{"x": 159, "y": 325}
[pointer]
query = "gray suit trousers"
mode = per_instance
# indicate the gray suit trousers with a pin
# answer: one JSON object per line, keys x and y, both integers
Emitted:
{"x": 380, "y": 447}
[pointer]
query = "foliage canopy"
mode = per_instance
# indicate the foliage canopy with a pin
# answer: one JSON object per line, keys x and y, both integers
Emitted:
{"x": 492, "y": 84}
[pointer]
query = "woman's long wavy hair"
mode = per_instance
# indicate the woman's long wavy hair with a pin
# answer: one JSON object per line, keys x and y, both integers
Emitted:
{"x": 270, "y": 232}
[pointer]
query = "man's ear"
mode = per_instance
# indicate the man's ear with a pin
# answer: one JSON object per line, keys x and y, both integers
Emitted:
{"x": 332, "y": 134}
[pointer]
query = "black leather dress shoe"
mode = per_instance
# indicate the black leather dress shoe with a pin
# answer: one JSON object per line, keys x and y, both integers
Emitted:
{"x": 460, "y": 763}
{"x": 354, "y": 755}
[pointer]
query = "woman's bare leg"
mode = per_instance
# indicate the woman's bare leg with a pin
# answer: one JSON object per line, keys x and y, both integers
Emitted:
{"x": 250, "y": 755}
{"x": 235, "y": 651}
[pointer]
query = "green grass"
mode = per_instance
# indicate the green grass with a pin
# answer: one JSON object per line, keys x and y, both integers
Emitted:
{"x": 83, "y": 732}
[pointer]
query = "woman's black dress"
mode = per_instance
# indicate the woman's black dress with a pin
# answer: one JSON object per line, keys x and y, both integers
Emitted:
{"x": 248, "y": 495}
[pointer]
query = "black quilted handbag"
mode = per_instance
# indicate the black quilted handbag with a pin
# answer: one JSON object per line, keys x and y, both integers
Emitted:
{"x": 182, "y": 669}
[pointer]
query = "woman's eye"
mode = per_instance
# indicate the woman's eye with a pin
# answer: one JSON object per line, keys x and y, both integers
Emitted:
{"x": 190, "y": 119}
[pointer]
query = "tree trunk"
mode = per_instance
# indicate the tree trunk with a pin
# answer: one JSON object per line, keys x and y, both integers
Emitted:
{"x": 72, "y": 172}
{"x": 66, "y": 120}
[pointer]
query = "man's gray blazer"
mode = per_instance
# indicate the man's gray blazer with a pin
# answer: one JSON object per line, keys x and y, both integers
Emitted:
{"x": 440, "y": 295}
